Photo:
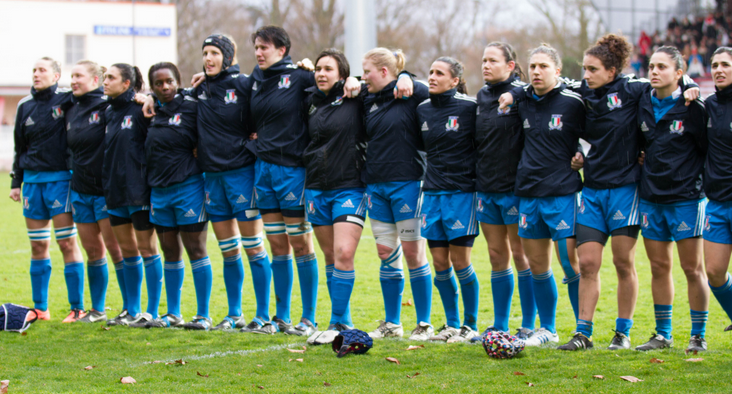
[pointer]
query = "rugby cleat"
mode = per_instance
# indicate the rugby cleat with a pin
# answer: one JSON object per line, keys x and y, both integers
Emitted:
{"x": 578, "y": 342}
{"x": 386, "y": 330}
{"x": 115, "y": 321}
{"x": 257, "y": 326}
{"x": 231, "y": 323}
{"x": 479, "y": 338}
{"x": 143, "y": 321}
{"x": 729, "y": 328}
{"x": 93, "y": 317}
{"x": 45, "y": 315}
{"x": 423, "y": 332}
{"x": 466, "y": 333}
{"x": 129, "y": 319}
{"x": 166, "y": 321}
{"x": 303, "y": 329}
{"x": 657, "y": 341}
{"x": 327, "y": 336}
{"x": 697, "y": 343}
{"x": 620, "y": 341}
{"x": 199, "y": 323}
{"x": 444, "y": 333}
{"x": 541, "y": 336}
{"x": 74, "y": 315}
{"x": 523, "y": 333}
{"x": 282, "y": 326}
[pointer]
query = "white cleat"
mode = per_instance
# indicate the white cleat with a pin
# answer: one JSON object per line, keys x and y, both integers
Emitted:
{"x": 387, "y": 330}
{"x": 540, "y": 337}
{"x": 422, "y": 332}
{"x": 466, "y": 334}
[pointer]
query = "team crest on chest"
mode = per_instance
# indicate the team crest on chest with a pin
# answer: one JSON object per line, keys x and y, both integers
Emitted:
{"x": 284, "y": 82}
{"x": 312, "y": 109}
{"x": 338, "y": 101}
{"x": 503, "y": 111}
{"x": 556, "y": 122}
{"x": 127, "y": 122}
{"x": 677, "y": 127}
{"x": 613, "y": 101}
{"x": 175, "y": 120}
{"x": 230, "y": 97}
{"x": 57, "y": 112}
{"x": 94, "y": 117}
{"x": 452, "y": 124}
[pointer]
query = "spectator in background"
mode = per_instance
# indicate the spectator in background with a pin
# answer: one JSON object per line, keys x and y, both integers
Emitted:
{"x": 695, "y": 65}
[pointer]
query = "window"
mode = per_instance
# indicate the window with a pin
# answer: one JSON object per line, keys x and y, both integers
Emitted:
{"x": 75, "y": 48}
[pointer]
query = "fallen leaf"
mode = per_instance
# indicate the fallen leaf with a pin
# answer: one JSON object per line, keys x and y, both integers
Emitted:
{"x": 617, "y": 355}
{"x": 290, "y": 360}
{"x": 415, "y": 374}
{"x": 104, "y": 328}
{"x": 631, "y": 379}
{"x": 148, "y": 344}
{"x": 128, "y": 380}
{"x": 179, "y": 361}
{"x": 517, "y": 373}
{"x": 598, "y": 376}
{"x": 24, "y": 333}
{"x": 299, "y": 360}
{"x": 694, "y": 360}
{"x": 238, "y": 374}
{"x": 201, "y": 375}
{"x": 304, "y": 348}
{"x": 326, "y": 384}
{"x": 260, "y": 387}
{"x": 392, "y": 360}
{"x": 4, "y": 386}
{"x": 107, "y": 309}
{"x": 574, "y": 377}
{"x": 259, "y": 365}
{"x": 408, "y": 303}
{"x": 155, "y": 362}
{"x": 529, "y": 384}
{"x": 89, "y": 368}
{"x": 415, "y": 347}
{"x": 295, "y": 351}
{"x": 656, "y": 361}
{"x": 694, "y": 352}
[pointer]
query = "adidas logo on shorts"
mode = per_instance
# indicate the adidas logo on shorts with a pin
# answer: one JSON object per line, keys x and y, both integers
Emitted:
{"x": 683, "y": 227}
{"x": 457, "y": 226}
{"x": 405, "y": 209}
{"x": 618, "y": 216}
{"x": 347, "y": 204}
{"x": 562, "y": 226}
{"x": 425, "y": 127}
{"x": 56, "y": 204}
{"x": 513, "y": 211}
{"x": 29, "y": 122}
{"x": 290, "y": 197}
{"x": 241, "y": 199}
{"x": 190, "y": 214}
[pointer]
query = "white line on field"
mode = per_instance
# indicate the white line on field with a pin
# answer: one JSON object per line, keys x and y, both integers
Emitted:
{"x": 231, "y": 353}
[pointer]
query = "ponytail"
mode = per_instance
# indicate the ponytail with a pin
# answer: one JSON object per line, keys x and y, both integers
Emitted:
{"x": 510, "y": 56}
{"x": 394, "y": 61}
{"x": 456, "y": 71}
{"x": 93, "y": 69}
{"x": 132, "y": 74}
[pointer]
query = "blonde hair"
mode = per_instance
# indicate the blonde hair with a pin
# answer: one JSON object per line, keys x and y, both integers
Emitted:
{"x": 56, "y": 66}
{"x": 394, "y": 61}
{"x": 94, "y": 69}
{"x": 548, "y": 50}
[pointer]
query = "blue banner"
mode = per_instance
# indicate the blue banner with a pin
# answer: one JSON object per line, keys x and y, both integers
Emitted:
{"x": 132, "y": 31}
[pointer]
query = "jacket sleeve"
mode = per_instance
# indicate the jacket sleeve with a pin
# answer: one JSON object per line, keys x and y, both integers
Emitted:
{"x": 519, "y": 93}
{"x": 699, "y": 114}
{"x": 20, "y": 148}
{"x": 572, "y": 84}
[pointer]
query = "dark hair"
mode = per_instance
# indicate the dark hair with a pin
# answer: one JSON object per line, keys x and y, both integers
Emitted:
{"x": 675, "y": 55}
{"x": 549, "y": 51}
{"x": 510, "y": 55}
{"x": 132, "y": 74}
{"x": 274, "y": 35}
{"x": 612, "y": 50}
{"x": 456, "y": 71}
{"x": 162, "y": 66}
{"x": 722, "y": 50}
{"x": 344, "y": 69}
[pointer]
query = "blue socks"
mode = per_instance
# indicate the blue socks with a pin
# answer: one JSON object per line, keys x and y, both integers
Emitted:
{"x": 664, "y": 313}
{"x": 584, "y": 327}
{"x": 571, "y": 278}
{"x": 391, "y": 276}
{"x": 344, "y": 318}
{"x": 546, "y": 296}
{"x": 234, "y": 280}
{"x": 341, "y": 296}
{"x": 174, "y": 274}
{"x": 261, "y": 278}
{"x": 623, "y": 326}
{"x": 502, "y": 289}
{"x": 133, "y": 284}
{"x": 119, "y": 269}
{"x": 471, "y": 290}
{"x": 283, "y": 275}
{"x": 421, "y": 281}
{"x": 40, "y": 272}
{"x": 98, "y": 275}
{"x": 74, "y": 274}
{"x": 723, "y": 294}
{"x": 448, "y": 288}
{"x": 699, "y": 322}
{"x": 307, "y": 272}
{"x": 526, "y": 295}
{"x": 154, "y": 281}
{"x": 202, "y": 281}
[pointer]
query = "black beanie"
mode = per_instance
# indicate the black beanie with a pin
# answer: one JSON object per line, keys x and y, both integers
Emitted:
{"x": 225, "y": 45}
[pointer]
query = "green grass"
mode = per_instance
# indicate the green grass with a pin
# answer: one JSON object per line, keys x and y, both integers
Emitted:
{"x": 52, "y": 356}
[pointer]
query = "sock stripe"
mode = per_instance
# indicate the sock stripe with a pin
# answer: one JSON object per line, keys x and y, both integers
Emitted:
{"x": 420, "y": 272}
{"x": 444, "y": 275}
{"x": 97, "y": 263}
{"x": 465, "y": 273}
{"x": 232, "y": 259}
{"x": 390, "y": 274}
{"x": 200, "y": 263}
{"x": 345, "y": 275}
{"x": 119, "y": 265}
{"x": 147, "y": 261}
{"x": 501, "y": 274}
{"x": 305, "y": 259}
{"x": 133, "y": 261}
{"x": 544, "y": 276}
{"x": 174, "y": 265}
{"x": 724, "y": 288}
{"x": 329, "y": 268}
{"x": 259, "y": 256}
{"x": 575, "y": 278}
{"x": 524, "y": 273}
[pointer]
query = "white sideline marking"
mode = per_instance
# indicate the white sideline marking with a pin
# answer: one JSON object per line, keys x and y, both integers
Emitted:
{"x": 230, "y": 353}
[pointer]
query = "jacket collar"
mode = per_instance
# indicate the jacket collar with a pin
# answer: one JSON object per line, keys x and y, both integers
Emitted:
{"x": 282, "y": 66}
{"x": 45, "y": 94}
{"x": 387, "y": 92}
{"x": 123, "y": 99}
{"x": 724, "y": 95}
{"x": 557, "y": 88}
{"x": 88, "y": 96}
{"x": 443, "y": 99}
{"x": 172, "y": 106}
{"x": 503, "y": 85}
{"x": 320, "y": 97}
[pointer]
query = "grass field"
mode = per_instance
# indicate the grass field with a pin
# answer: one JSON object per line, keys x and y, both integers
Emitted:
{"x": 52, "y": 356}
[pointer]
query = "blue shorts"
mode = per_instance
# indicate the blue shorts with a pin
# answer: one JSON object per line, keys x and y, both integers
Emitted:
{"x": 392, "y": 202}
{"x": 180, "y": 204}
{"x": 230, "y": 194}
{"x": 42, "y": 201}
{"x": 672, "y": 222}
{"x": 322, "y": 207}
{"x": 607, "y": 210}
{"x": 127, "y": 211}
{"x": 87, "y": 208}
{"x": 448, "y": 216}
{"x": 498, "y": 208}
{"x": 718, "y": 222}
{"x": 279, "y": 187}
{"x": 548, "y": 217}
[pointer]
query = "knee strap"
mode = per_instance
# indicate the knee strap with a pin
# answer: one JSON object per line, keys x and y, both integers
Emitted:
{"x": 393, "y": 262}
{"x": 298, "y": 229}
{"x": 410, "y": 229}
{"x": 274, "y": 228}
{"x": 65, "y": 232}
{"x": 252, "y": 242}
{"x": 41, "y": 234}
{"x": 385, "y": 234}
{"x": 569, "y": 274}
{"x": 229, "y": 244}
